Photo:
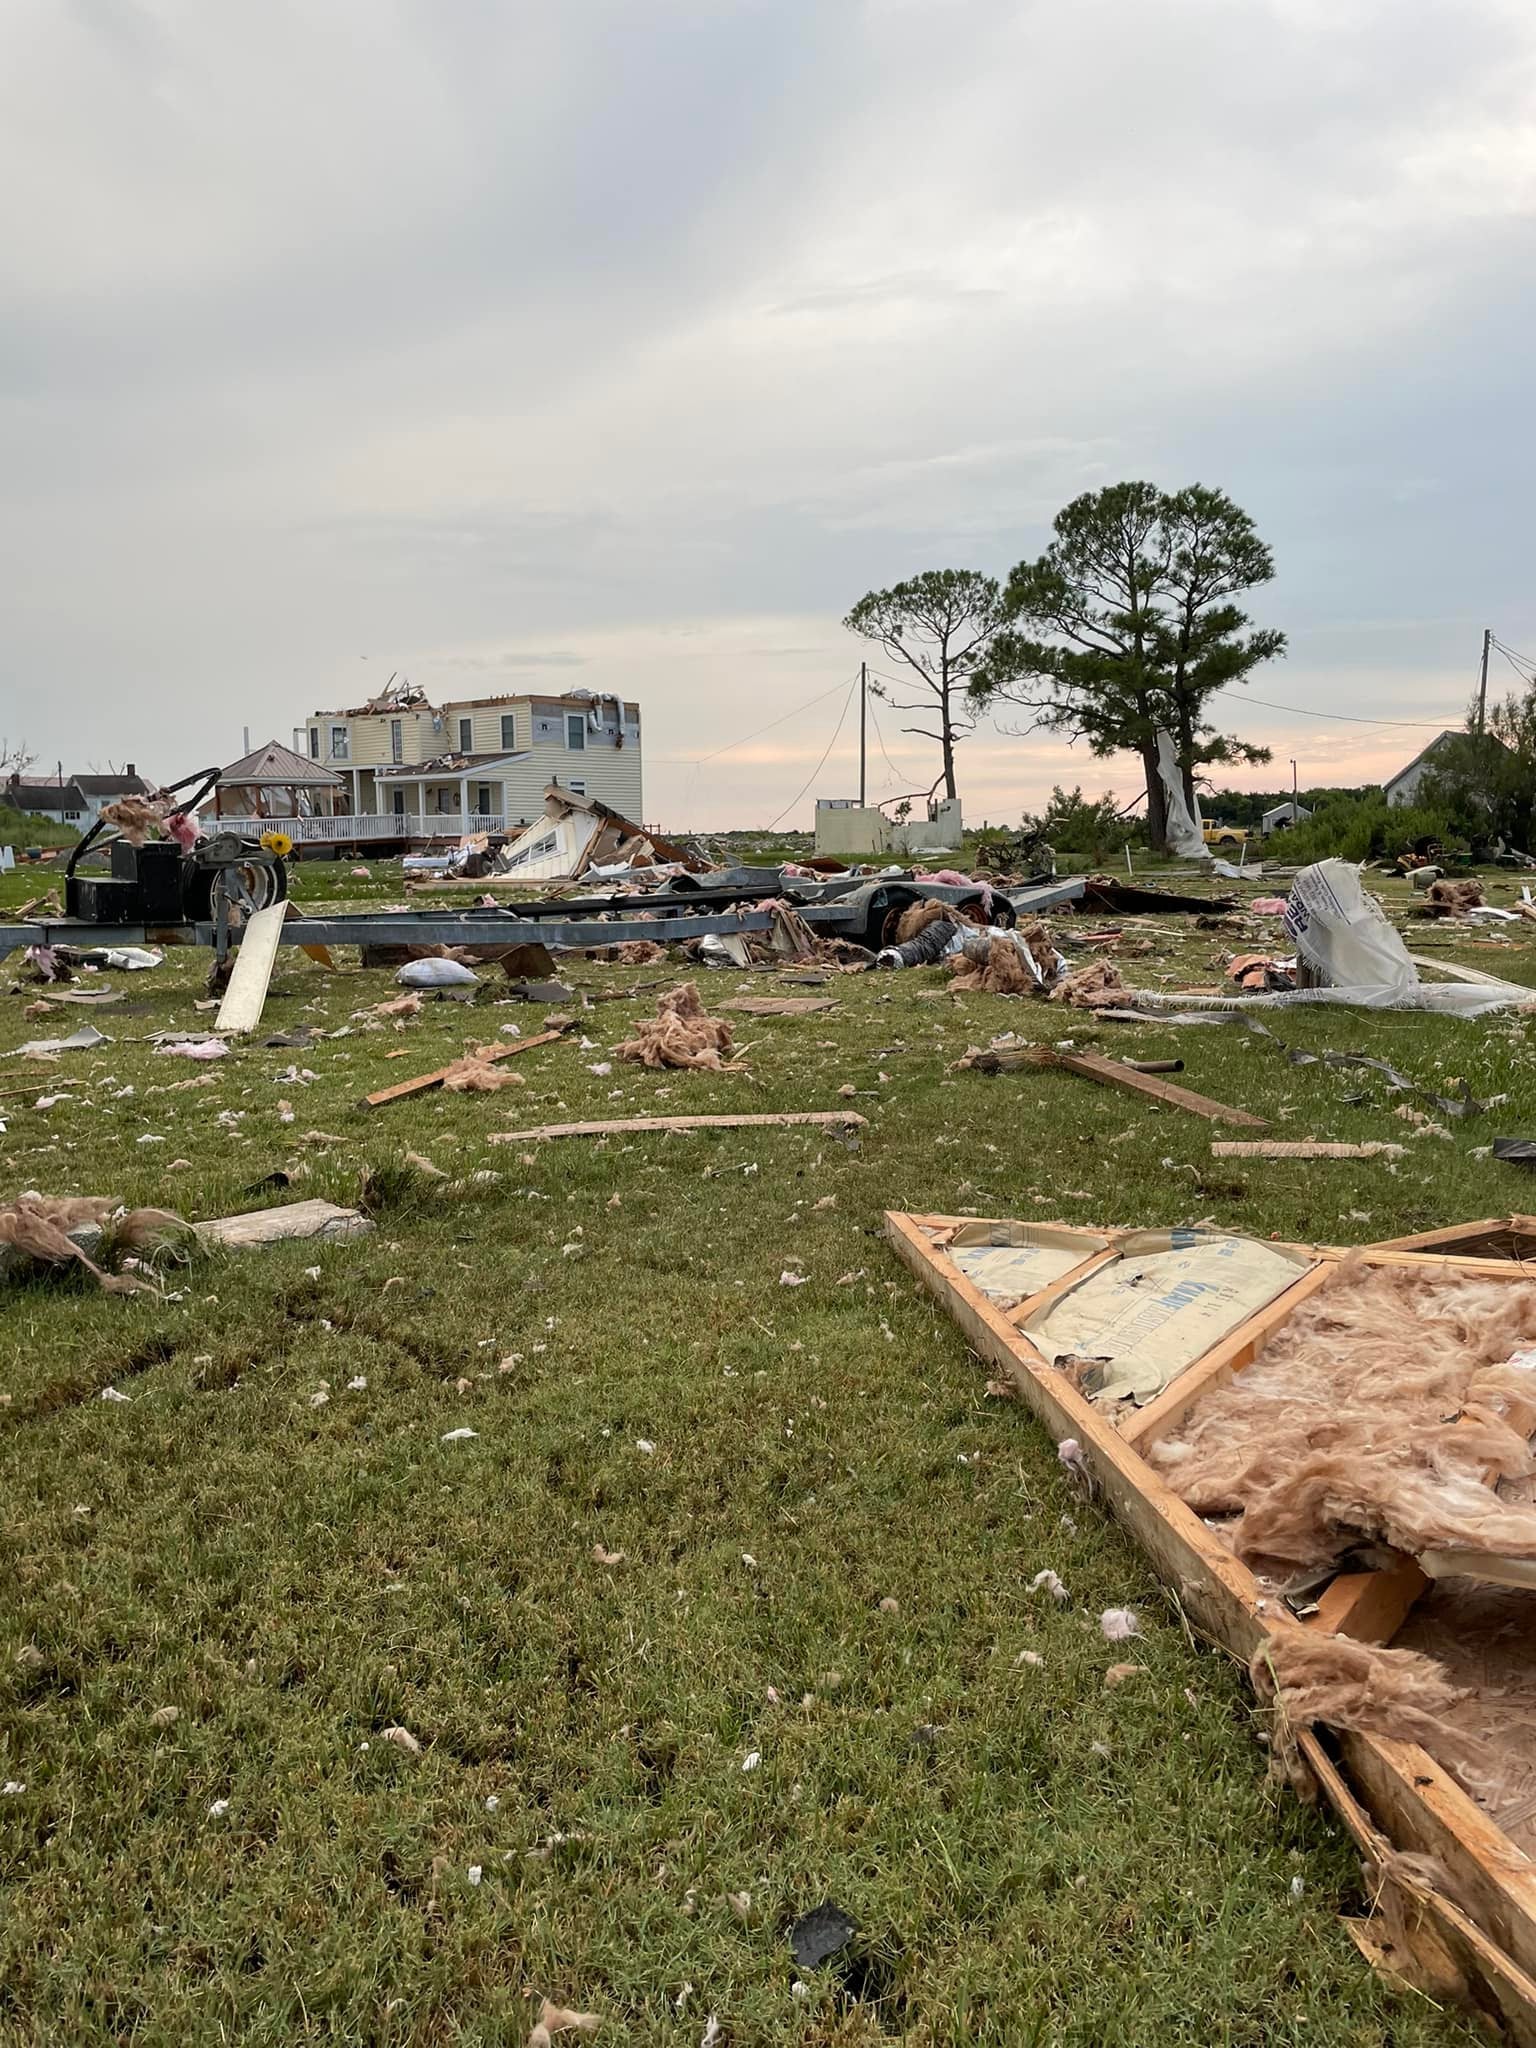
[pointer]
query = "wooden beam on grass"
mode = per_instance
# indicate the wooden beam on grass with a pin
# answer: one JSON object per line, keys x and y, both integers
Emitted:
{"x": 1111, "y": 1074}
{"x": 420, "y": 1083}
{"x": 1302, "y": 1148}
{"x": 838, "y": 1119}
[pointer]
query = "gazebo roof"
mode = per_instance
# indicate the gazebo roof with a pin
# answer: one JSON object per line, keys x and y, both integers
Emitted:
{"x": 277, "y": 766}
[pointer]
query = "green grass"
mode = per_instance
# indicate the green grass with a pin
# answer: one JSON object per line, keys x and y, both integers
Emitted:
{"x": 20, "y": 828}
{"x": 1030, "y": 1858}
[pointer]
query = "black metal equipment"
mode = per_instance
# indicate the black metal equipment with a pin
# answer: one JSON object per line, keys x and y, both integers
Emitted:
{"x": 159, "y": 884}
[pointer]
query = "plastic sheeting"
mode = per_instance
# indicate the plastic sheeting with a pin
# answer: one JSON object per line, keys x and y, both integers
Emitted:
{"x": 1184, "y": 834}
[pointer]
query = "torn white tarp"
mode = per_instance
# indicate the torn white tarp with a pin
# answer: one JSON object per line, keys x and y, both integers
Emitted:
{"x": 1184, "y": 834}
{"x": 1132, "y": 1327}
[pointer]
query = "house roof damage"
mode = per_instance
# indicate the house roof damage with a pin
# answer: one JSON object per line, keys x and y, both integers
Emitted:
{"x": 578, "y": 836}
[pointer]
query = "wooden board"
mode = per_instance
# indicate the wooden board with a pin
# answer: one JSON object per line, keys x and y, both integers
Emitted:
{"x": 1412, "y": 1801}
{"x": 419, "y": 1083}
{"x": 840, "y": 1119}
{"x": 1302, "y": 1148}
{"x": 778, "y": 1006}
{"x": 275, "y": 1226}
{"x": 1109, "y": 1073}
{"x": 1494, "y": 1237}
{"x": 246, "y": 996}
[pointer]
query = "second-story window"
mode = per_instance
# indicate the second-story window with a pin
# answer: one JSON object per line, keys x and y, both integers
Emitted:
{"x": 396, "y": 740}
{"x": 576, "y": 732}
{"x": 340, "y": 743}
{"x": 466, "y": 735}
{"x": 314, "y": 743}
{"x": 509, "y": 730}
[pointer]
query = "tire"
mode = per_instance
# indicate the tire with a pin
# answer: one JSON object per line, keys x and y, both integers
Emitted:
{"x": 1226, "y": 839}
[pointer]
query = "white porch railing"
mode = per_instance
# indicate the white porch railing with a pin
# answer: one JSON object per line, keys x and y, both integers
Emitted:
{"x": 352, "y": 830}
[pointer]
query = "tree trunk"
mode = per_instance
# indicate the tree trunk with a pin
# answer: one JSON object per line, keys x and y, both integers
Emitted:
{"x": 1157, "y": 803}
{"x": 948, "y": 731}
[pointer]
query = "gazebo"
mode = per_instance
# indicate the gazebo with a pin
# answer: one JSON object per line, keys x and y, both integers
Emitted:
{"x": 277, "y": 785}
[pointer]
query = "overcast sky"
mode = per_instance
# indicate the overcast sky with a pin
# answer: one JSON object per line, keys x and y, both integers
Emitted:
{"x": 627, "y": 344}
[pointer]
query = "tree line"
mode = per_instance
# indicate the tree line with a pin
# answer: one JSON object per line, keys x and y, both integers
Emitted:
{"x": 1129, "y": 624}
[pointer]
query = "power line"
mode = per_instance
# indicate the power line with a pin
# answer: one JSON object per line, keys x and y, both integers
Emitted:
{"x": 831, "y": 743}
{"x": 688, "y": 761}
{"x": 1340, "y": 717}
{"x": 1514, "y": 653}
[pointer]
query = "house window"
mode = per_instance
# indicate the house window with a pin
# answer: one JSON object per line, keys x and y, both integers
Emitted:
{"x": 340, "y": 743}
{"x": 466, "y": 735}
{"x": 396, "y": 740}
{"x": 575, "y": 731}
{"x": 398, "y": 797}
{"x": 314, "y": 743}
{"x": 509, "y": 730}
{"x": 483, "y": 800}
{"x": 576, "y": 788}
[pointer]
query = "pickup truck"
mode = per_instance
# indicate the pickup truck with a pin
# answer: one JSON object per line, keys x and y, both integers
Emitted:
{"x": 1225, "y": 835}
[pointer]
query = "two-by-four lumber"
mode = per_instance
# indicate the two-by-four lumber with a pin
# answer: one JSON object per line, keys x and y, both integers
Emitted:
{"x": 419, "y": 1084}
{"x": 1111, "y": 1074}
{"x": 1301, "y": 1148}
{"x": 841, "y": 1119}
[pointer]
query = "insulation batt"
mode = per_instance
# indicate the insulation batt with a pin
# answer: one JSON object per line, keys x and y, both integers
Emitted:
{"x": 679, "y": 1035}
{"x": 918, "y": 916}
{"x": 1310, "y": 1677}
{"x": 1447, "y": 898}
{"x": 39, "y": 1226}
{"x": 1386, "y": 1409}
{"x": 1091, "y": 987}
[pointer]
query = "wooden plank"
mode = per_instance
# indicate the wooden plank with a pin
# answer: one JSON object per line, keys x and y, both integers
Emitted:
{"x": 1145, "y": 1425}
{"x": 1471, "y": 1235}
{"x": 275, "y": 1226}
{"x": 1278, "y": 1148}
{"x": 840, "y": 1119}
{"x": 1094, "y": 1066}
{"x": 246, "y": 996}
{"x": 778, "y": 1006}
{"x": 1481, "y": 1962}
{"x": 1369, "y": 1606}
{"x": 419, "y": 1083}
{"x": 1420, "y": 1808}
{"x": 1418, "y": 1805}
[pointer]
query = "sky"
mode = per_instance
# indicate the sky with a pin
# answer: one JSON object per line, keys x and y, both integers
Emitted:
{"x": 587, "y": 343}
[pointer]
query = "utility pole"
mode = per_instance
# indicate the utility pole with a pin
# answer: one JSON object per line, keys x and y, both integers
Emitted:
{"x": 1295, "y": 805}
{"x": 864, "y": 720}
{"x": 1482, "y": 683}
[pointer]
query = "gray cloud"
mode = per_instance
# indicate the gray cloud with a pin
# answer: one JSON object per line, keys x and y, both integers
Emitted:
{"x": 644, "y": 340}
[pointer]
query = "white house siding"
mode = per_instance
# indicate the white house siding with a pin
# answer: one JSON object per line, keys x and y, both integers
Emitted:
{"x": 611, "y": 774}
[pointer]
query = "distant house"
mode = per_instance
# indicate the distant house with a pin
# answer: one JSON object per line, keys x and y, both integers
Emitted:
{"x": 101, "y": 790}
{"x": 1283, "y": 816}
{"x": 477, "y": 765}
{"x": 62, "y": 803}
{"x": 1403, "y": 787}
{"x": 75, "y": 800}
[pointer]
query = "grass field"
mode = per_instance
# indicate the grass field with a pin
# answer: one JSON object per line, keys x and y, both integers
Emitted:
{"x": 802, "y": 1680}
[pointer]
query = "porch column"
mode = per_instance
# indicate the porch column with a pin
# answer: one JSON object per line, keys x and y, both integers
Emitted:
{"x": 421, "y": 810}
{"x": 463, "y": 804}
